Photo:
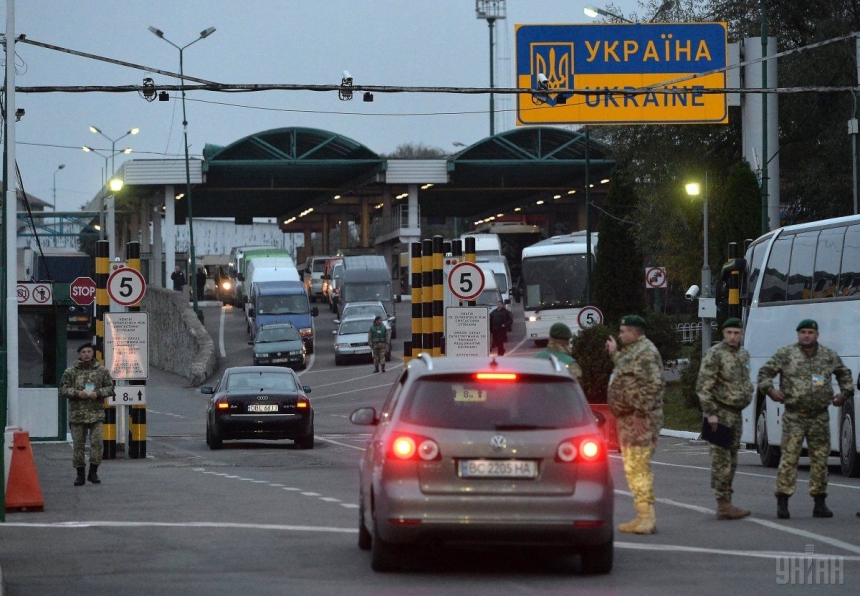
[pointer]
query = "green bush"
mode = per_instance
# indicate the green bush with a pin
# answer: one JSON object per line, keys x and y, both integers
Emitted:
{"x": 689, "y": 377}
{"x": 589, "y": 350}
{"x": 662, "y": 333}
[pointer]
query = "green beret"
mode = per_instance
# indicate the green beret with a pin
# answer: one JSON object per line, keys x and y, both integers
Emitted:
{"x": 83, "y": 346}
{"x": 633, "y": 321}
{"x": 807, "y": 324}
{"x": 734, "y": 322}
{"x": 560, "y": 331}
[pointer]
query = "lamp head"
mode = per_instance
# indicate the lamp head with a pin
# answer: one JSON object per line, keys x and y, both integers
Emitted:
{"x": 589, "y": 11}
{"x": 95, "y": 130}
{"x": 156, "y": 32}
{"x": 693, "y": 189}
{"x": 207, "y": 32}
{"x": 127, "y": 150}
{"x": 86, "y": 149}
{"x": 134, "y": 131}
{"x": 61, "y": 166}
{"x": 115, "y": 184}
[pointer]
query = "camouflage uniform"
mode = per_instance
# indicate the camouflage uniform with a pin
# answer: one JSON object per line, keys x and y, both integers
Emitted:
{"x": 86, "y": 415}
{"x": 560, "y": 349}
{"x": 806, "y": 383}
{"x": 379, "y": 338}
{"x": 725, "y": 389}
{"x": 636, "y": 388}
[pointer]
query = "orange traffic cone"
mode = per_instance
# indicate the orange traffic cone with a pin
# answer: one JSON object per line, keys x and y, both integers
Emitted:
{"x": 23, "y": 492}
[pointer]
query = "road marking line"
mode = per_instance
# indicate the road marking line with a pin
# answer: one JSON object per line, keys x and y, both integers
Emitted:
{"x": 763, "y": 522}
{"x": 348, "y": 392}
{"x": 329, "y": 499}
{"x": 716, "y": 551}
{"x": 333, "y": 442}
{"x": 349, "y": 505}
{"x": 310, "y": 494}
{"x": 291, "y": 488}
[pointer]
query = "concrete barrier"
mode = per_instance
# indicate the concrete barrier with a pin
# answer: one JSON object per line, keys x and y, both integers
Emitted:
{"x": 178, "y": 342}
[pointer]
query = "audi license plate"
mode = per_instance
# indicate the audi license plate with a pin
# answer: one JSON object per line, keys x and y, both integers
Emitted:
{"x": 497, "y": 468}
{"x": 263, "y": 408}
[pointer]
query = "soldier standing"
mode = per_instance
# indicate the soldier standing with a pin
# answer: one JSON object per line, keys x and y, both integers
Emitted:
{"x": 86, "y": 384}
{"x": 559, "y": 346}
{"x": 805, "y": 370}
{"x": 636, "y": 400}
{"x": 379, "y": 339}
{"x": 725, "y": 389}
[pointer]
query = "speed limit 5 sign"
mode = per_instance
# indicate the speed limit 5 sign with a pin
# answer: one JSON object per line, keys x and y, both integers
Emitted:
{"x": 126, "y": 286}
{"x": 466, "y": 281}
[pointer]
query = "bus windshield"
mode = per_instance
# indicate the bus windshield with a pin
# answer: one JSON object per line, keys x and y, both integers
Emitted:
{"x": 554, "y": 281}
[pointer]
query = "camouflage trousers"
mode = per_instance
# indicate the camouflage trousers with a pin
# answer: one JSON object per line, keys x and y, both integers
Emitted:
{"x": 637, "y": 470}
{"x": 378, "y": 354}
{"x": 816, "y": 429}
{"x": 79, "y": 441}
{"x": 724, "y": 462}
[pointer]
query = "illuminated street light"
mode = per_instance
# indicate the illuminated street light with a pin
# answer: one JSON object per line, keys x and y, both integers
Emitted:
{"x": 59, "y": 167}
{"x": 113, "y": 151}
{"x": 203, "y": 34}
{"x": 694, "y": 189}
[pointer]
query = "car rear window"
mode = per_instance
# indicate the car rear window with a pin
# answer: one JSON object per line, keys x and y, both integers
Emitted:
{"x": 528, "y": 403}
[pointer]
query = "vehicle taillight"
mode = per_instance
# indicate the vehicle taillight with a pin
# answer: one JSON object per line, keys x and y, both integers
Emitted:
{"x": 584, "y": 449}
{"x": 221, "y": 403}
{"x": 413, "y": 447}
{"x": 303, "y": 403}
{"x": 491, "y": 376}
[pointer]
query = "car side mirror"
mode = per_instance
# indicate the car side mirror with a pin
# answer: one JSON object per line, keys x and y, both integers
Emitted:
{"x": 336, "y": 322}
{"x": 334, "y": 332}
{"x": 207, "y": 390}
{"x": 306, "y": 388}
{"x": 250, "y": 343}
{"x": 364, "y": 417}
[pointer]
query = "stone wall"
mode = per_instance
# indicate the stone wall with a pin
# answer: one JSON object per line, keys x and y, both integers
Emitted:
{"x": 178, "y": 342}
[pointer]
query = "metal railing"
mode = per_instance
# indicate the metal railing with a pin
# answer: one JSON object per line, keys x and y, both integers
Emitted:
{"x": 690, "y": 332}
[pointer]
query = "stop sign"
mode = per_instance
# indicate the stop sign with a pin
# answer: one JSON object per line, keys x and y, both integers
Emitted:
{"x": 83, "y": 291}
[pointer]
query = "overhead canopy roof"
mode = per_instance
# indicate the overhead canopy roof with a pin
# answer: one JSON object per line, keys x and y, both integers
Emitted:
{"x": 285, "y": 172}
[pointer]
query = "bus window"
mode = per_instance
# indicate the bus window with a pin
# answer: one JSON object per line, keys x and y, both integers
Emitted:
{"x": 849, "y": 279}
{"x": 800, "y": 271}
{"x": 756, "y": 260}
{"x": 776, "y": 272}
{"x": 827, "y": 258}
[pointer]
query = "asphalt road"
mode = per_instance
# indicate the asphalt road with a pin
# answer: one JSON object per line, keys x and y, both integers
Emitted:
{"x": 267, "y": 518}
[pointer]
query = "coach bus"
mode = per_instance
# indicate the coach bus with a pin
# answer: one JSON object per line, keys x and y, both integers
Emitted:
{"x": 805, "y": 271}
{"x": 553, "y": 283}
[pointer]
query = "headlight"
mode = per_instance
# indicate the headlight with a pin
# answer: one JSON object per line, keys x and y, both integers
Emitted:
{"x": 226, "y": 285}
{"x": 532, "y": 319}
{"x": 260, "y": 355}
{"x": 295, "y": 353}
{"x": 306, "y": 332}
{"x": 340, "y": 346}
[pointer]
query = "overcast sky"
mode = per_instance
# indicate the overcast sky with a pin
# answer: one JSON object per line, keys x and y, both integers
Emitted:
{"x": 380, "y": 42}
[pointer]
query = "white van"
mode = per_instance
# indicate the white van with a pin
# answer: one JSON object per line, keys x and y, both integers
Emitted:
{"x": 487, "y": 246}
{"x": 498, "y": 269}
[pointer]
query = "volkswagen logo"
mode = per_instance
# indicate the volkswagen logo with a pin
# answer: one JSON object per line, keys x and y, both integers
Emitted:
{"x": 498, "y": 443}
{"x": 263, "y": 397}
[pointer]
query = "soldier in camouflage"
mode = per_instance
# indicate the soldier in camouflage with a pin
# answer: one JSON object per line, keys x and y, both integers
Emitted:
{"x": 559, "y": 347}
{"x": 725, "y": 389}
{"x": 636, "y": 400}
{"x": 379, "y": 339}
{"x": 86, "y": 384}
{"x": 805, "y": 370}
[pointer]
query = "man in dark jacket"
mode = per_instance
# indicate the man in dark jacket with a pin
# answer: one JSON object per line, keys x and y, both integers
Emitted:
{"x": 178, "y": 279}
{"x": 500, "y": 323}
{"x": 86, "y": 384}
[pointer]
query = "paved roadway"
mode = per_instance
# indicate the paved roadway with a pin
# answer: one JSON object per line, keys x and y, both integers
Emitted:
{"x": 267, "y": 518}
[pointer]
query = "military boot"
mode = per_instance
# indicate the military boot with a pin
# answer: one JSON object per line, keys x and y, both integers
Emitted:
{"x": 630, "y": 527}
{"x": 821, "y": 509}
{"x": 376, "y": 369}
{"x": 782, "y": 507}
{"x": 726, "y": 510}
{"x": 383, "y": 368}
{"x": 93, "y": 476}
{"x": 80, "y": 480}
{"x": 648, "y": 523}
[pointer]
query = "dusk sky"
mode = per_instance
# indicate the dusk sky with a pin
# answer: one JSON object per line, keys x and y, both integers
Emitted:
{"x": 380, "y": 42}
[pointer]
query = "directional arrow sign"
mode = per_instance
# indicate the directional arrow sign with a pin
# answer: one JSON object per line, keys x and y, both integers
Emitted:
{"x": 128, "y": 395}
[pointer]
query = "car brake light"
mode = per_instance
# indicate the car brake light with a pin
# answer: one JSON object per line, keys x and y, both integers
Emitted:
{"x": 411, "y": 447}
{"x": 222, "y": 404}
{"x": 496, "y": 376}
{"x": 586, "y": 449}
{"x": 302, "y": 403}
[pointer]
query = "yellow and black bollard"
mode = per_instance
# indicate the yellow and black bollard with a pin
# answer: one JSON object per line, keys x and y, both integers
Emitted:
{"x": 438, "y": 304}
{"x": 137, "y": 414}
{"x": 469, "y": 257}
{"x": 427, "y": 296}
{"x": 103, "y": 306}
{"x": 415, "y": 347}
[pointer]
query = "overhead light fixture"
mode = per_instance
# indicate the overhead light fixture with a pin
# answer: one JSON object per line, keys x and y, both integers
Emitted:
{"x": 556, "y": 197}
{"x": 571, "y": 192}
{"x": 336, "y": 197}
{"x": 518, "y": 209}
{"x": 539, "y": 202}
{"x": 179, "y": 196}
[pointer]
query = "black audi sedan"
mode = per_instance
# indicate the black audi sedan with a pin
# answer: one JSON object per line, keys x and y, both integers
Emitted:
{"x": 259, "y": 402}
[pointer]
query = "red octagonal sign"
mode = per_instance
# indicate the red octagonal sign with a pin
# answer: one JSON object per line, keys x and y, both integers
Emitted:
{"x": 83, "y": 291}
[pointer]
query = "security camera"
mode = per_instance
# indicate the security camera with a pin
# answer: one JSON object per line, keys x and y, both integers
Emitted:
{"x": 543, "y": 85}
{"x": 345, "y": 91}
{"x": 692, "y": 292}
{"x": 543, "y": 82}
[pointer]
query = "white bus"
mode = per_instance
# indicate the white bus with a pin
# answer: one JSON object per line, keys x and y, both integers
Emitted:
{"x": 805, "y": 271}
{"x": 553, "y": 283}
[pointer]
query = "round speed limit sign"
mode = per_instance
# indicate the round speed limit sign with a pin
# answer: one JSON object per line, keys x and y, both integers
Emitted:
{"x": 589, "y": 317}
{"x": 466, "y": 281}
{"x": 126, "y": 286}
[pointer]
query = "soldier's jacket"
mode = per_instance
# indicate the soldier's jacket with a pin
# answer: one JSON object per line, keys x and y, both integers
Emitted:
{"x": 75, "y": 379}
{"x": 724, "y": 379}
{"x": 564, "y": 358}
{"x": 805, "y": 380}
{"x": 637, "y": 383}
{"x": 378, "y": 336}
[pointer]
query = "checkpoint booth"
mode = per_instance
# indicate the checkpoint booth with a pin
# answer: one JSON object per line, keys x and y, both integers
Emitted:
{"x": 43, "y": 318}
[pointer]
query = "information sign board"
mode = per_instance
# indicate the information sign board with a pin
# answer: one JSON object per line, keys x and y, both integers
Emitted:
{"x": 128, "y": 395}
{"x": 467, "y": 331}
{"x": 126, "y": 345}
{"x": 610, "y": 60}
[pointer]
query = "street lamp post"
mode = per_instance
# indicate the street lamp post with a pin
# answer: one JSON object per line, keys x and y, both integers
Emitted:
{"x": 105, "y": 176}
{"x": 59, "y": 167}
{"x": 490, "y": 10}
{"x": 693, "y": 189}
{"x": 203, "y": 34}
{"x": 113, "y": 151}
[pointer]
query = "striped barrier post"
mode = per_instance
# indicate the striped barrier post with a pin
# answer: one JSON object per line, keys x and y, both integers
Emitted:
{"x": 103, "y": 306}
{"x": 137, "y": 414}
{"x": 416, "y": 280}
{"x": 438, "y": 307}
